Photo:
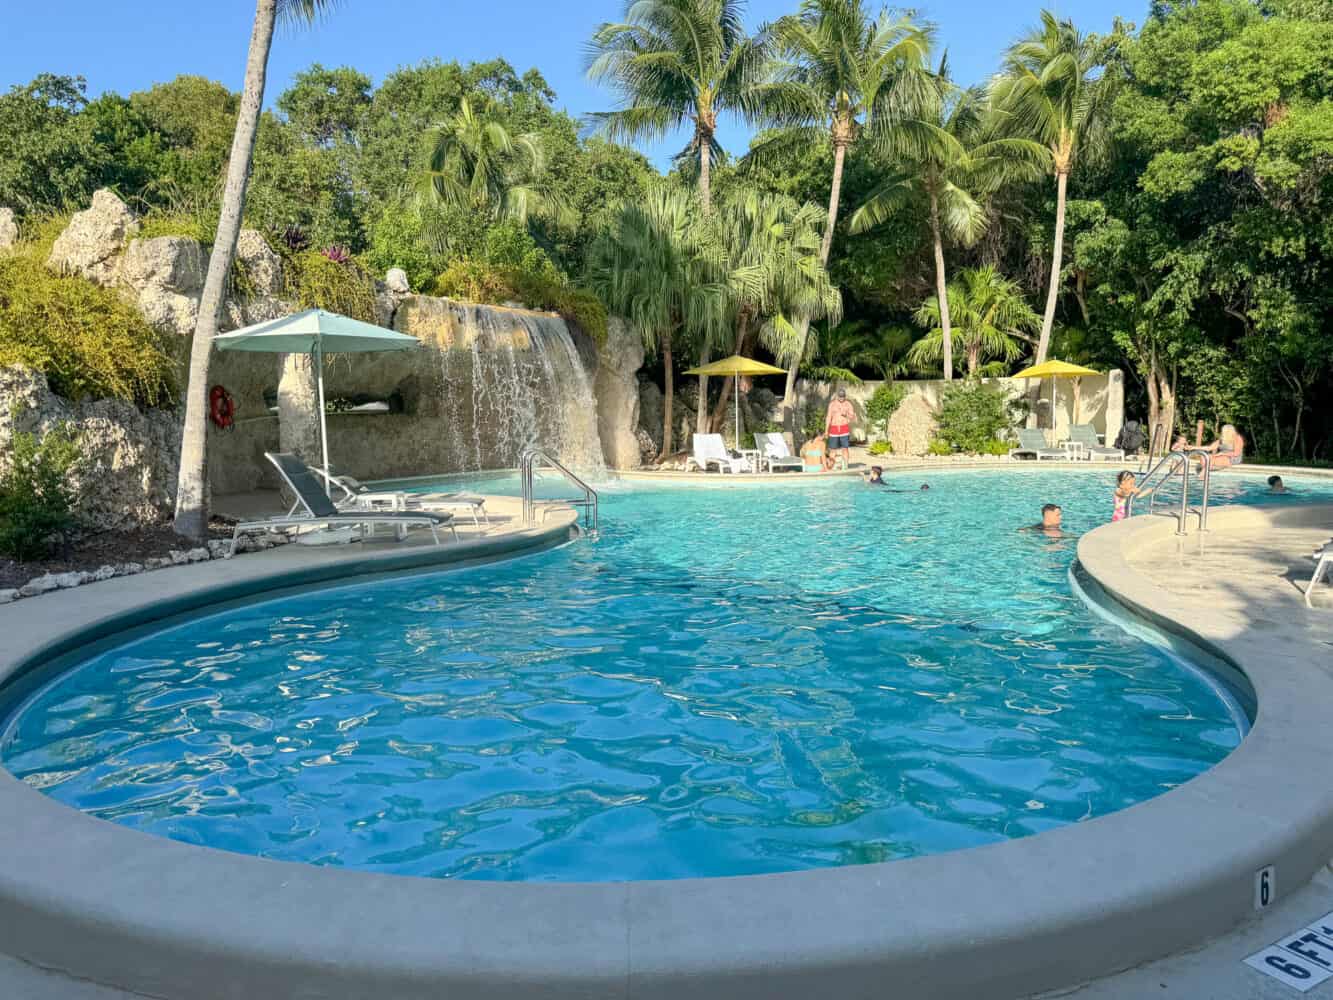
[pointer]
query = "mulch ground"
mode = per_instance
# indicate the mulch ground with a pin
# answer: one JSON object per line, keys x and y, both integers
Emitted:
{"x": 92, "y": 552}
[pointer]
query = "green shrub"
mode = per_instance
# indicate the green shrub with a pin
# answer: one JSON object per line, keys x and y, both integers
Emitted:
{"x": 995, "y": 447}
{"x": 319, "y": 282}
{"x": 193, "y": 227}
{"x": 885, "y": 400}
{"x": 87, "y": 340}
{"x": 36, "y": 502}
{"x": 938, "y": 447}
{"x": 971, "y": 415}
{"x": 812, "y": 422}
{"x": 881, "y": 448}
{"x": 476, "y": 281}
{"x": 766, "y": 427}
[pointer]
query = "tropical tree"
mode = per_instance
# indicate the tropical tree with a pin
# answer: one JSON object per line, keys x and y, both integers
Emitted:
{"x": 478, "y": 166}
{"x": 991, "y": 320}
{"x": 843, "y": 74}
{"x": 952, "y": 174}
{"x": 191, "y": 496}
{"x": 775, "y": 279}
{"x": 1050, "y": 91}
{"x": 674, "y": 64}
{"x": 660, "y": 267}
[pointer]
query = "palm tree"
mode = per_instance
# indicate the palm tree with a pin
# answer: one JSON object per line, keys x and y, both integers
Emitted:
{"x": 477, "y": 165}
{"x": 677, "y": 63}
{"x": 659, "y": 266}
{"x": 1049, "y": 91}
{"x": 990, "y": 318}
{"x": 191, "y": 496}
{"x": 845, "y": 74}
{"x": 951, "y": 174}
{"x": 775, "y": 279}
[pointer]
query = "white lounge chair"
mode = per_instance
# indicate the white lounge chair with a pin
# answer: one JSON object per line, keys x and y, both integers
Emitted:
{"x": 709, "y": 451}
{"x": 352, "y": 494}
{"x": 1032, "y": 441}
{"x": 774, "y": 453}
{"x": 320, "y": 510}
{"x": 1323, "y": 567}
{"x": 1086, "y": 435}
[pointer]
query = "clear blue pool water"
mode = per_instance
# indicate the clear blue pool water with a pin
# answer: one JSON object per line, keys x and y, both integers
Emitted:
{"x": 730, "y": 681}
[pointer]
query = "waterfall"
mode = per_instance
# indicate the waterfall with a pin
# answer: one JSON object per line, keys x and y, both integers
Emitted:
{"x": 509, "y": 379}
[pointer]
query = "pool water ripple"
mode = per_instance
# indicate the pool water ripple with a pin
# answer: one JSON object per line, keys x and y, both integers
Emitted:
{"x": 728, "y": 682}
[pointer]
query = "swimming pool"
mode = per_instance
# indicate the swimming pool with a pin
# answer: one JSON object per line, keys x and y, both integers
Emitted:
{"x": 730, "y": 681}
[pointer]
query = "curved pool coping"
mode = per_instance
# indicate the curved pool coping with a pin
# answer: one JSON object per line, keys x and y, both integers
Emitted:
{"x": 108, "y": 904}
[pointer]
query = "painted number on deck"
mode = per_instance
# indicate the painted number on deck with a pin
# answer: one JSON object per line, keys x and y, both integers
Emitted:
{"x": 1302, "y": 959}
{"x": 1265, "y": 887}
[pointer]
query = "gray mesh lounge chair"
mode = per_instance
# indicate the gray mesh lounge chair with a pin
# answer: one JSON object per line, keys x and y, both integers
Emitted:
{"x": 1323, "y": 566}
{"x": 1032, "y": 441}
{"x": 352, "y": 494}
{"x": 320, "y": 510}
{"x": 1086, "y": 435}
{"x": 774, "y": 453}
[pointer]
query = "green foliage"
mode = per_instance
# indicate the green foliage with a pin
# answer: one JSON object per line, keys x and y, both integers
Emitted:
{"x": 475, "y": 281}
{"x": 878, "y": 448}
{"x": 939, "y": 447}
{"x": 87, "y": 340}
{"x": 883, "y": 403}
{"x": 995, "y": 447}
{"x": 812, "y": 421}
{"x": 972, "y": 415}
{"x": 36, "y": 501}
{"x": 155, "y": 224}
{"x": 321, "y": 283}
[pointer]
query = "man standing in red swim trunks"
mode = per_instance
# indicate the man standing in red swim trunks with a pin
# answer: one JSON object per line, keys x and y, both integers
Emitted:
{"x": 838, "y": 426}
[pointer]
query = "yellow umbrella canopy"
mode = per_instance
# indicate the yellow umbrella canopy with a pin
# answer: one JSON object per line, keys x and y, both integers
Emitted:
{"x": 736, "y": 366}
{"x": 1054, "y": 370}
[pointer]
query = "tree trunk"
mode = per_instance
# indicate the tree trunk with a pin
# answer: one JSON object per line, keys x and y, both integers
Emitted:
{"x": 974, "y": 361}
{"x": 191, "y": 489}
{"x": 701, "y": 405}
{"x": 729, "y": 386}
{"x": 1057, "y": 262}
{"x": 803, "y": 326}
{"x": 1154, "y": 404}
{"x": 706, "y": 198}
{"x": 941, "y": 287}
{"x": 667, "y": 396}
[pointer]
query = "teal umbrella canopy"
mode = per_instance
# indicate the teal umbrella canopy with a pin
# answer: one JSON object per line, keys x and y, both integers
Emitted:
{"x": 305, "y": 332}
{"x": 317, "y": 333}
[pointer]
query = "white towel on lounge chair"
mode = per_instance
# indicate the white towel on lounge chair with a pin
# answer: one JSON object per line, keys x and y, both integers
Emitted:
{"x": 774, "y": 453}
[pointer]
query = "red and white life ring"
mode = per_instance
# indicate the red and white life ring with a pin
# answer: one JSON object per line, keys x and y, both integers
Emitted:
{"x": 221, "y": 408}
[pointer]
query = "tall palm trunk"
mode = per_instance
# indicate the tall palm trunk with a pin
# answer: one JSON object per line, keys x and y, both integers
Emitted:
{"x": 803, "y": 326}
{"x": 1057, "y": 262}
{"x": 706, "y": 199}
{"x": 191, "y": 489}
{"x": 667, "y": 396}
{"x": 941, "y": 288}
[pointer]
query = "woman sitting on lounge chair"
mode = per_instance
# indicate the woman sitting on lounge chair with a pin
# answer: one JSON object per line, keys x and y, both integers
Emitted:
{"x": 1228, "y": 449}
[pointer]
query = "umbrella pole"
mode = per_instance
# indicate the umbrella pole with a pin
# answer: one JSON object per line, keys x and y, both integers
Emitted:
{"x": 323, "y": 419}
{"x": 736, "y": 392}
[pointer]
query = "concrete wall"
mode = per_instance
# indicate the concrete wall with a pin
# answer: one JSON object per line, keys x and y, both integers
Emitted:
{"x": 1098, "y": 400}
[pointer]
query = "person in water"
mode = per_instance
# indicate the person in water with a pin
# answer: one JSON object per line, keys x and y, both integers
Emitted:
{"x": 876, "y": 478}
{"x": 838, "y": 426}
{"x": 1124, "y": 492}
{"x": 1052, "y": 519}
{"x": 1276, "y": 485}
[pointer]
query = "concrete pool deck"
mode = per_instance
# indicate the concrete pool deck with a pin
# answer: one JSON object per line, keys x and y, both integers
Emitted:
{"x": 153, "y": 917}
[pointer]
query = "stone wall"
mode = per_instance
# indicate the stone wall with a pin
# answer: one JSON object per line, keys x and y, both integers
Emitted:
{"x": 1098, "y": 400}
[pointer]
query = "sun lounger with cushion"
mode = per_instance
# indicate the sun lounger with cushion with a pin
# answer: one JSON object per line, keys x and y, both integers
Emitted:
{"x": 710, "y": 451}
{"x": 319, "y": 510}
{"x": 774, "y": 453}
{"x": 352, "y": 494}
{"x": 1032, "y": 441}
{"x": 1086, "y": 435}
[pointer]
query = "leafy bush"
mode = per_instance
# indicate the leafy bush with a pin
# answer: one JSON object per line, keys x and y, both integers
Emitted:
{"x": 938, "y": 447}
{"x": 320, "y": 282}
{"x": 885, "y": 400}
{"x": 36, "y": 502}
{"x": 881, "y": 448}
{"x": 812, "y": 422}
{"x": 194, "y": 227}
{"x": 475, "y": 281}
{"x": 765, "y": 427}
{"x": 995, "y": 447}
{"x": 87, "y": 340}
{"x": 971, "y": 416}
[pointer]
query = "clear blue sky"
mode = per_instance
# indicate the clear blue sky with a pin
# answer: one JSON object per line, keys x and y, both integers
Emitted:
{"x": 129, "y": 46}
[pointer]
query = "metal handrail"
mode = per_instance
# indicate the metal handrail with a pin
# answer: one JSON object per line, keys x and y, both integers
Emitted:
{"x": 528, "y": 464}
{"x": 1181, "y": 460}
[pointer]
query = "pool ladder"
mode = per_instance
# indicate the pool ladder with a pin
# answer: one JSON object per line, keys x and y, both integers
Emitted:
{"x": 534, "y": 459}
{"x": 1179, "y": 463}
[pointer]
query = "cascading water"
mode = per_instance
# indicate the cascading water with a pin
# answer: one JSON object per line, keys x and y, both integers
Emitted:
{"x": 511, "y": 379}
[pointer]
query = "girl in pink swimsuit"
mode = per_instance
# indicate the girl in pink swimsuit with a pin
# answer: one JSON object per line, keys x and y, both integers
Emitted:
{"x": 1124, "y": 492}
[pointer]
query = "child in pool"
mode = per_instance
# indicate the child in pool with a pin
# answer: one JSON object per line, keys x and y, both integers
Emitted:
{"x": 1124, "y": 492}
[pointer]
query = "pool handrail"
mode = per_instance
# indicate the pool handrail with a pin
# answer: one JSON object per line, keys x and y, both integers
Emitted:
{"x": 528, "y": 464}
{"x": 1171, "y": 461}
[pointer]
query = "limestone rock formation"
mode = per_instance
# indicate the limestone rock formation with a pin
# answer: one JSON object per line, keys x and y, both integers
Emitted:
{"x": 263, "y": 267}
{"x": 913, "y": 426}
{"x": 94, "y": 238}
{"x": 166, "y": 275}
{"x": 9, "y": 229}
{"x": 128, "y": 470}
{"x": 650, "y": 412}
{"x": 396, "y": 281}
{"x": 617, "y": 391}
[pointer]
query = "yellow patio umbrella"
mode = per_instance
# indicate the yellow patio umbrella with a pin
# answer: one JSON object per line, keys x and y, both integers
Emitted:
{"x": 734, "y": 367}
{"x": 1054, "y": 370}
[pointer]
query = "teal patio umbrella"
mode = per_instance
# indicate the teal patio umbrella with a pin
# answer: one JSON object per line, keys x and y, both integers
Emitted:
{"x": 317, "y": 333}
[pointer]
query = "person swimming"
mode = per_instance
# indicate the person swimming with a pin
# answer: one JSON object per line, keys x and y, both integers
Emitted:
{"x": 1276, "y": 485}
{"x": 876, "y": 478}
